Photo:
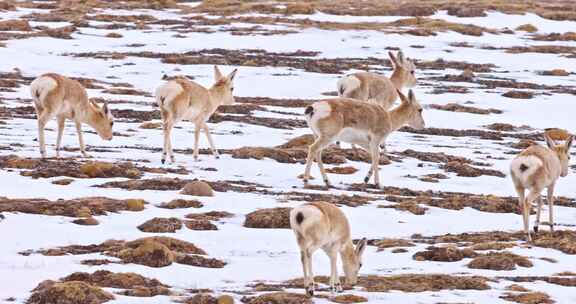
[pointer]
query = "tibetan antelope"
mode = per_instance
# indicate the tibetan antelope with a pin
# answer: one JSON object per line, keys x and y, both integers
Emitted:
{"x": 323, "y": 225}
{"x": 57, "y": 96}
{"x": 534, "y": 169}
{"x": 182, "y": 99}
{"x": 377, "y": 88}
{"x": 356, "y": 122}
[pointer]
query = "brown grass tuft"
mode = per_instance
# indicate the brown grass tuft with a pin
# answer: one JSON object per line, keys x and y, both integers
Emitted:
{"x": 528, "y": 298}
{"x": 349, "y": 298}
{"x": 499, "y": 261}
{"x": 422, "y": 282}
{"x": 444, "y": 254}
{"x": 269, "y": 218}
{"x": 529, "y": 28}
{"x": 73, "y": 292}
{"x": 278, "y": 298}
{"x": 161, "y": 225}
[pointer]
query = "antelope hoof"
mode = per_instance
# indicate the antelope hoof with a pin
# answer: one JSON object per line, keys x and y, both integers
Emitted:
{"x": 551, "y": 228}
{"x": 339, "y": 288}
{"x": 163, "y": 160}
{"x": 217, "y": 156}
{"x": 366, "y": 179}
{"x": 86, "y": 155}
{"x": 310, "y": 291}
{"x": 535, "y": 229}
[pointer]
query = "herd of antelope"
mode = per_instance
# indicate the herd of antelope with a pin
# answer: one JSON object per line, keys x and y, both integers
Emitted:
{"x": 361, "y": 116}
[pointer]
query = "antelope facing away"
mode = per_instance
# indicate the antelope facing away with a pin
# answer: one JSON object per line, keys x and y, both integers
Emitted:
{"x": 377, "y": 88}
{"x": 323, "y": 225}
{"x": 57, "y": 96}
{"x": 536, "y": 168}
{"x": 182, "y": 99}
{"x": 356, "y": 122}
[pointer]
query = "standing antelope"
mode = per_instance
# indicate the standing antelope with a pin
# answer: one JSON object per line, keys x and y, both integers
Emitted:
{"x": 57, "y": 96}
{"x": 536, "y": 168}
{"x": 182, "y": 99}
{"x": 323, "y": 225}
{"x": 365, "y": 124}
{"x": 377, "y": 88}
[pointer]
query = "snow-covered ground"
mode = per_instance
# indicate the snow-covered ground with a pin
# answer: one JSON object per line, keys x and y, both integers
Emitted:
{"x": 272, "y": 254}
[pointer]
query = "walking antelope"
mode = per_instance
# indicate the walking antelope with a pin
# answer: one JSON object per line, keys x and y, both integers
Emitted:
{"x": 377, "y": 88}
{"x": 323, "y": 225}
{"x": 365, "y": 124}
{"x": 534, "y": 169}
{"x": 182, "y": 99}
{"x": 57, "y": 96}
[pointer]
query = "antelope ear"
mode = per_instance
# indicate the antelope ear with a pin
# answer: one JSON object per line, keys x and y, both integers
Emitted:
{"x": 361, "y": 246}
{"x": 401, "y": 59}
{"x": 549, "y": 141}
{"x": 393, "y": 59}
{"x": 217, "y": 74}
{"x": 411, "y": 96}
{"x": 232, "y": 75}
{"x": 569, "y": 141}
{"x": 105, "y": 108}
{"x": 402, "y": 96}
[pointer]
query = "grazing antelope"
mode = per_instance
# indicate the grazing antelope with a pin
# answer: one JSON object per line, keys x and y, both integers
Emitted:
{"x": 57, "y": 96}
{"x": 536, "y": 168}
{"x": 323, "y": 225}
{"x": 377, "y": 88}
{"x": 182, "y": 99}
{"x": 361, "y": 123}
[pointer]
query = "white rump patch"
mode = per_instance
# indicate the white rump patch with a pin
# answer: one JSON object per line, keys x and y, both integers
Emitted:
{"x": 42, "y": 86}
{"x": 347, "y": 85}
{"x": 168, "y": 92}
{"x": 532, "y": 163}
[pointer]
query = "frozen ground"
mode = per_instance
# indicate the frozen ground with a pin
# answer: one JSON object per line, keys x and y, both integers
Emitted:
{"x": 271, "y": 255}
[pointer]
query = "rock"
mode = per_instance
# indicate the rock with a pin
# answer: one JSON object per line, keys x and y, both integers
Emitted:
{"x": 197, "y": 188}
{"x": 135, "y": 204}
{"x": 269, "y": 218}
{"x": 225, "y": 299}
{"x": 73, "y": 292}
{"x": 161, "y": 225}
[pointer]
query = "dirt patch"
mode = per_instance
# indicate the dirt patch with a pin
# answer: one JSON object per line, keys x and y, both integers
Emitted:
{"x": 499, "y": 261}
{"x": 181, "y": 204}
{"x": 49, "y": 292}
{"x": 80, "y": 207}
{"x": 528, "y": 298}
{"x": 454, "y": 107}
{"x": 269, "y": 218}
{"x": 158, "y": 225}
{"x": 443, "y": 254}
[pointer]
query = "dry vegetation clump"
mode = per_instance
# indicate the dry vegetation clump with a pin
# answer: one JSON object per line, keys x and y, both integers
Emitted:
{"x": 199, "y": 261}
{"x": 114, "y": 35}
{"x": 64, "y": 32}
{"x": 410, "y": 205}
{"x": 15, "y": 25}
{"x": 278, "y": 298}
{"x": 444, "y": 254}
{"x": 73, "y": 292}
{"x": 134, "y": 284}
{"x": 437, "y": 25}
{"x": 200, "y": 225}
{"x": 87, "y": 221}
{"x": 421, "y": 283}
{"x": 468, "y": 239}
{"x": 463, "y": 169}
{"x": 349, "y": 298}
{"x": 454, "y": 107}
{"x": 528, "y": 298}
{"x": 197, "y": 188}
{"x": 505, "y": 127}
{"x": 568, "y": 36}
{"x": 202, "y": 298}
{"x": 342, "y": 170}
{"x": 180, "y": 204}
{"x": 390, "y": 243}
{"x": 7, "y": 6}
{"x": 159, "y": 183}
{"x": 519, "y": 94}
{"x": 269, "y": 218}
{"x": 555, "y": 72}
{"x": 160, "y": 225}
{"x": 529, "y": 28}
{"x": 563, "y": 240}
{"x": 545, "y": 49}
{"x": 104, "y": 169}
{"x": 499, "y": 261}
{"x": 80, "y": 207}
{"x": 63, "y": 181}
{"x": 149, "y": 253}
{"x": 492, "y": 246}
{"x": 151, "y": 125}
